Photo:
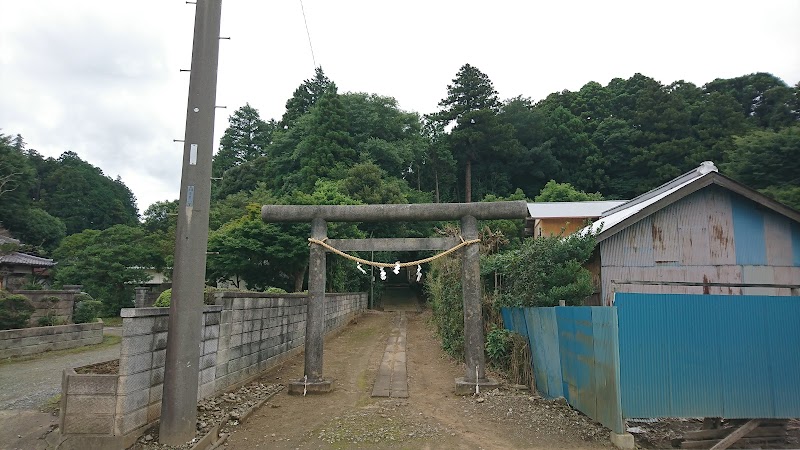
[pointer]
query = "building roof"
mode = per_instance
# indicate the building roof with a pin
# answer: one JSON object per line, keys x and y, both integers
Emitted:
{"x": 619, "y": 218}
{"x": 565, "y": 210}
{"x": 8, "y": 240}
{"x": 24, "y": 259}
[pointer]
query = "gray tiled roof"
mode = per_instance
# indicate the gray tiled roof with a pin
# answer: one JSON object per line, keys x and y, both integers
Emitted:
{"x": 8, "y": 240}
{"x": 23, "y": 259}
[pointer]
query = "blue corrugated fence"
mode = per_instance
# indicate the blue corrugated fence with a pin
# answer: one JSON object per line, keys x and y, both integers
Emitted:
{"x": 574, "y": 352}
{"x": 709, "y": 355}
{"x": 668, "y": 355}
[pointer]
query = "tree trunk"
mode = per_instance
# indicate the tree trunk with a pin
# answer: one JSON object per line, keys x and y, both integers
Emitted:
{"x": 468, "y": 182}
{"x": 299, "y": 276}
{"x": 436, "y": 184}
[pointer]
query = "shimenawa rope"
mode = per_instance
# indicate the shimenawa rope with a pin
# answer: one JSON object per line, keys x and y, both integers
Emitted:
{"x": 387, "y": 265}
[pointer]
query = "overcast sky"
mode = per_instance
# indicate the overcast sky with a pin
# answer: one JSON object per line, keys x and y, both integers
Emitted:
{"x": 102, "y": 79}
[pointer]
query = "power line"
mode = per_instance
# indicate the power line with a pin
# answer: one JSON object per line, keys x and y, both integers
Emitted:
{"x": 313, "y": 59}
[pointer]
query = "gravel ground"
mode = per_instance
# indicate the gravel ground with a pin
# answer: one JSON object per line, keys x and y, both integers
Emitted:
{"x": 29, "y": 384}
{"x": 226, "y": 409}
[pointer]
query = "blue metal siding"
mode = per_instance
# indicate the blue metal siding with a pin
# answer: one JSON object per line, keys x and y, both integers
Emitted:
{"x": 575, "y": 355}
{"x": 747, "y": 392}
{"x": 643, "y": 353}
{"x": 748, "y": 232}
{"x": 693, "y": 354}
{"x": 783, "y": 341}
{"x": 577, "y": 362}
{"x": 545, "y": 351}
{"x": 709, "y": 355}
{"x": 606, "y": 360}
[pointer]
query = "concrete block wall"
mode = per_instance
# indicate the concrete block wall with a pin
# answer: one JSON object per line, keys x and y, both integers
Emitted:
{"x": 141, "y": 364}
{"x": 256, "y": 331}
{"x": 29, "y": 341}
{"x": 243, "y": 335}
{"x": 340, "y": 308}
{"x": 89, "y": 401}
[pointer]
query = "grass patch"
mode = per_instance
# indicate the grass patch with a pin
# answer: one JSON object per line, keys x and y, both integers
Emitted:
{"x": 112, "y": 321}
{"x": 51, "y": 405}
{"x": 108, "y": 341}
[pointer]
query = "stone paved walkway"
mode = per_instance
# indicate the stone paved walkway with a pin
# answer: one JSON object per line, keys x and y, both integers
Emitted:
{"x": 392, "y": 377}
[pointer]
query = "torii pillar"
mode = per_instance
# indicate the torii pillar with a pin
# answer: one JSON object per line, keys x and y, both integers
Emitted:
{"x": 467, "y": 213}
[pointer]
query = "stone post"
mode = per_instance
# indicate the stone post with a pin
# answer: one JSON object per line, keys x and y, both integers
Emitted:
{"x": 315, "y": 317}
{"x": 140, "y": 296}
{"x": 475, "y": 378}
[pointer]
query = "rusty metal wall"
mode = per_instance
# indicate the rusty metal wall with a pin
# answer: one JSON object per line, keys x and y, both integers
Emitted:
{"x": 712, "y": 235}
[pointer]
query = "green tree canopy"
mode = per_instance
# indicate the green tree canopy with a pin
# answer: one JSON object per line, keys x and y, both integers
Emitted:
{"x": 305, "y": 97}
{"x": 108, "y": 263}
{"x": 770, "y": 161}
{"x": 245, "y": 139}
{"x": 546, "y": 270}
{"x": 17, "y": 176}
{"x": 83, "y": 197}
{"x": 564, "y": 192}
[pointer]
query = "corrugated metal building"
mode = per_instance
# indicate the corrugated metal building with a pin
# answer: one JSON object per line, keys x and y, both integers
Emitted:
{"x": 554, "y": 218}
{"x": 700, "y": 232}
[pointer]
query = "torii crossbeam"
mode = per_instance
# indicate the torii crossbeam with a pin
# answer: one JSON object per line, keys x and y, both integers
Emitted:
{"x": 467, "y": 213}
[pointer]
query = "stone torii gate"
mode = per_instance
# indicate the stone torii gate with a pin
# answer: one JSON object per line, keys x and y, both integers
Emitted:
{"x": 467, "y": 213}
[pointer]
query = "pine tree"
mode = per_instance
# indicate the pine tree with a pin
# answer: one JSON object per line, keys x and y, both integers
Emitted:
{"x": 306, "y": 96}
{"x": 246, "y": 139}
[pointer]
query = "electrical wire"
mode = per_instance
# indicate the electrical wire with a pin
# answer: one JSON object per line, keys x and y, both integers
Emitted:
{"x": 313, "y": 59}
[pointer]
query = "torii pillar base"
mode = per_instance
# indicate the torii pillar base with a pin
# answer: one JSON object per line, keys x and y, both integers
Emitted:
{"x": 301, "y": 387}
{"x": 467, "y": 387}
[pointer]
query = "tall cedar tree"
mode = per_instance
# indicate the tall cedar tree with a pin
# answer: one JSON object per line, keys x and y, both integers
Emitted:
{"x": 306, "y": 96}
{"x": 245, "y": 139}
{"x": 471, "y": 92}
{"x": 325, "y": 150}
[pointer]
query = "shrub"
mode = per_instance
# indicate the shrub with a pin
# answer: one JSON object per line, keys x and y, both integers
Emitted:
{"x": 33, "y": 283}
{"x": 275, "y": 290}
{"x": 87, "y": 311}
{"x": 546, "y": 270}
{"x": 15, "y": 311}
{"x": 50, "y": 317}
{"x": 443, "y": 286}
{"x": 165, "y": 298}
{"x": 83, "y": 296}
{"x": 498, "y": 348}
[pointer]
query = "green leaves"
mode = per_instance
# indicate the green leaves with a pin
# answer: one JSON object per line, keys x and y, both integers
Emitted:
{"x": 245, "y": 139}
{"x": 564, "y": 192}
{"x": 546, "y": 270}
{"x": 108, "y": 263}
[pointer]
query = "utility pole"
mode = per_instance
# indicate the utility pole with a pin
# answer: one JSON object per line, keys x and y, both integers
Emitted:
{"x": 181, "y": 372}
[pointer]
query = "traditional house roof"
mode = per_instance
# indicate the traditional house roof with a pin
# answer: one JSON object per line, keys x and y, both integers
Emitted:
{"x": 619, "y": 218}
{"x": 567, "y": 210}
{"x": 24, "y": 259}
{"x": 8, "y": 240}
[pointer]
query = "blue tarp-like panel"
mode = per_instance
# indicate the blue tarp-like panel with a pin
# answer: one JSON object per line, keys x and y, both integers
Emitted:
{"x": 642, "y": 350}
{"x": 577, "y": 362}
{"x": 606, "y": 355}
{"x": 709, "y": 355}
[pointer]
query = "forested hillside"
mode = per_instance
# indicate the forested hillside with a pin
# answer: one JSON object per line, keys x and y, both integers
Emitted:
{"x": 617, "y": 140}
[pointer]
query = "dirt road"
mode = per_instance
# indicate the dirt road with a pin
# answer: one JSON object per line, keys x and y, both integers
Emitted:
{"x": 432, "y": 416}
{"x": 27, "y": 385}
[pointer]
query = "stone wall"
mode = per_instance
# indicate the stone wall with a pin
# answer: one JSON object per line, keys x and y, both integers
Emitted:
{"x": 243, "y": 335}
{"x": 61, "y": 309}
{"x": 29, "y": 341}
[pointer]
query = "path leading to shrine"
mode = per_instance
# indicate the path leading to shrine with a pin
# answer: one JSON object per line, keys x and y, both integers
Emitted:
{"x": 431, "y": 417}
